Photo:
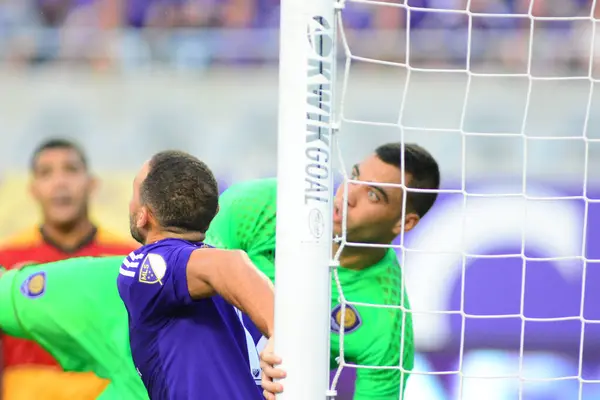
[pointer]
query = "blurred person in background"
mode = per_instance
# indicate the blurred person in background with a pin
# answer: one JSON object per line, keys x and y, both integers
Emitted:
{"x": 62, "y": 185}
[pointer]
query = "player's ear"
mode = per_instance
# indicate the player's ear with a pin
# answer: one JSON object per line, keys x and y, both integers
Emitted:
{"x": 410, "y": 221}
{"x": 143, "y": 217}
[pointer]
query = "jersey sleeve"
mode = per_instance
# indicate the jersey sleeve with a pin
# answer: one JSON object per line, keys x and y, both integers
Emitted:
{"x": 246, "y": 217}
{"x": 384, "y": 350}
{"x": 9, "y": 322}
{"x": 56, "y": 305}
{"x": 160, "y": 282}
{"x": 376, "y": 384}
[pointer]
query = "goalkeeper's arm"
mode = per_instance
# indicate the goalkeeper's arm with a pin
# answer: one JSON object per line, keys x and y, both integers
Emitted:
{"x": 245, "y": 220}
{"x": 222, "y": 232}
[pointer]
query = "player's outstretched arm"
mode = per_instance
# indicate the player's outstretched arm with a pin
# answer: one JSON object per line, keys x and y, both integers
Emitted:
{"x": 231, "y": 274}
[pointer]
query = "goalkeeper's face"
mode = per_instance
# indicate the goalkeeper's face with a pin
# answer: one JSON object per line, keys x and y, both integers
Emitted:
{"x": 374, "y": 213}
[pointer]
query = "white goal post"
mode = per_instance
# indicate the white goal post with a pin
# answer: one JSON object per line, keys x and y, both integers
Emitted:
{"x": 304, "y": 197}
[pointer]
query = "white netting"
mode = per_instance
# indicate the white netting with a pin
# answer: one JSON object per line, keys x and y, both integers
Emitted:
{"x": 501, "y": 273}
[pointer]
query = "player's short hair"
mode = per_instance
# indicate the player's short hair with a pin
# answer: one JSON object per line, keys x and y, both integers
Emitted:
{"x": 423, "y": 169}
{"x": 58, "y": 143}
{"x": 181, "y": 191}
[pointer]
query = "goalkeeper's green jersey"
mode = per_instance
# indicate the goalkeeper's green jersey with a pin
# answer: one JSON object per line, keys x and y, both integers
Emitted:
{"x": 73, "y": 310}
{"x": 373, "y": 336}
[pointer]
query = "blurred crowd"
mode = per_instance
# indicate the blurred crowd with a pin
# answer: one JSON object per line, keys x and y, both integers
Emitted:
{"x": 107, "y": 14}
{"x": 197, "y": 32}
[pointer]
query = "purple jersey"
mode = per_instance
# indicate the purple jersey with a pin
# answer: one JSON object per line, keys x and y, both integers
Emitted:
{"x": 182, "y": 348}
{"x": 252, "y": 330}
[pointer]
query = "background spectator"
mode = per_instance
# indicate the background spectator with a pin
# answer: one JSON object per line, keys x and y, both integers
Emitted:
{"x": 62, "y": 184}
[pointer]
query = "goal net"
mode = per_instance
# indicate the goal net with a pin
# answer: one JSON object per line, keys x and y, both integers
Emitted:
{"x": 502, "y": 274}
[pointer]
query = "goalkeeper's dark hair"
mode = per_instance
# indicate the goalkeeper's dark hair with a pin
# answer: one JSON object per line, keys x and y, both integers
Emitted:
{"x": 61, "y": 144}
{"x": 181, "y": 191}
{"x": 423, "y": 169}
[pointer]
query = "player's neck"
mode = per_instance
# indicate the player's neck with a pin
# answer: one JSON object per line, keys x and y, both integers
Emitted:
{"x": 70, "y": 235}
{"x": 157, "y": 235}
{"x": 358, "y": 258}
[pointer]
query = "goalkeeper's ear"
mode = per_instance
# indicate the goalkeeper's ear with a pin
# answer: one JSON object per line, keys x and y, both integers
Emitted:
{"x": 410, "y": 221}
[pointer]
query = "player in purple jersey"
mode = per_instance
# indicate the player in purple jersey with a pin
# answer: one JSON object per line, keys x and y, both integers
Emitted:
{"x": 182, "y": 296}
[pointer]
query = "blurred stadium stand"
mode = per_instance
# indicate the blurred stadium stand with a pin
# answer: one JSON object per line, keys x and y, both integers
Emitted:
{"x": 194, "y": 34}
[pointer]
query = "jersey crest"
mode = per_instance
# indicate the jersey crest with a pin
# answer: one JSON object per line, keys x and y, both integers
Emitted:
{"x": 153, "y": 269}
{"x": 352, "y": 320}
{"x": 34, "y": 286}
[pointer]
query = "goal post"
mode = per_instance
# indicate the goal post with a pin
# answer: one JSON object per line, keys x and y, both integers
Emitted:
{"x": 304, "y": 197}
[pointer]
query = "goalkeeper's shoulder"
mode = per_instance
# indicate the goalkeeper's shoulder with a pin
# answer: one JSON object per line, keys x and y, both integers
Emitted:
{"x": 248, "y": 199}
{"x": 246, "y": 217}
{"x": 263, "y": 187}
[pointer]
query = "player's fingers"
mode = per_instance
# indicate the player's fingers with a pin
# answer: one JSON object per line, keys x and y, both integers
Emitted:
{"x": 264, "y": 378}
{"x": 271, "y": 387}
{"x": 270, "y": 358}
{"x": 268, "y": 396}
{"x": 268, "y": 374}
{"x": 263, "y": 364}
{"x": 270, "y": 371}
{"x": 275, "y": 373}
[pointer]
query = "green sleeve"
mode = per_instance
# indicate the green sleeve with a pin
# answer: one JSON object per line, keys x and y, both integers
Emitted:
{"x": 110, "y": 393}
{"x": 377, "y": 384}
{"x": 383, "y": 348}
{"x": 9, "y": 323}
{"x": 376, "y": 336}
{"x": 246, "y": 221}
{"x": 370, "y": 344}
{"x": 222, "y": 232}
{"x": 119, "y": 391}
{"x": 70, "y": 307}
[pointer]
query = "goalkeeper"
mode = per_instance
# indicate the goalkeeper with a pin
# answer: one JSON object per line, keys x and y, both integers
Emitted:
{"x": 73, "y": 310}
{"x": 373, "y": 336}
